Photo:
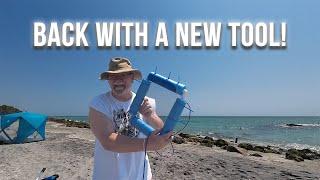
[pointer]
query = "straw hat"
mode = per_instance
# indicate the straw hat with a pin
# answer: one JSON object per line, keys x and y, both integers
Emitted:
{"x": 120, "y": 65}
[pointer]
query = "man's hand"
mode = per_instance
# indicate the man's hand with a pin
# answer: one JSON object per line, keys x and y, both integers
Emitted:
{"x": 146, "y": 109}
{"x": 157, "y": 142}
{"x": 149, "y": 114}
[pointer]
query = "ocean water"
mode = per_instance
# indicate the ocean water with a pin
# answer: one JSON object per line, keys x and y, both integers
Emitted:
{"x": 261, "y": 130}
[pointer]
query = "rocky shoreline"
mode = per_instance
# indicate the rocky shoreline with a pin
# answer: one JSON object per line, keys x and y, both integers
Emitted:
{"x": 69, "y": 122}
{"x": 242, "y": 148}
{"x": 68, "y": 151}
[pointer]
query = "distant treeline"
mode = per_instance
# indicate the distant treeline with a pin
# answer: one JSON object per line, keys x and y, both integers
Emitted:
{"x": 5, "y": 109}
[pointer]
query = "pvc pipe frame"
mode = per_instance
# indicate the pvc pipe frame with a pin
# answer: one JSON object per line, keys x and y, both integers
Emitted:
{"x": 175, "y": 112}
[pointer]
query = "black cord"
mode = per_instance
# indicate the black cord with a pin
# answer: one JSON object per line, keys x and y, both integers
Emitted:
{"x": 173, "y": 150}
{"x": 145, "y": 154}
{"x": 147, "y": 139}
{"x": 189, "y": 118}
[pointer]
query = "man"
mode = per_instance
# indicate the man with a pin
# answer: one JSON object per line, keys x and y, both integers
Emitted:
{"x": 119, "y": 148}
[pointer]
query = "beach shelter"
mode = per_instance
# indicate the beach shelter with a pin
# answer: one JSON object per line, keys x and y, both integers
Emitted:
{"x": 22, "y": 127}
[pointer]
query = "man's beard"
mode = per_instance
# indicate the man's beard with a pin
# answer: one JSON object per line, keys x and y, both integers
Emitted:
{"x": 119, "y": 89}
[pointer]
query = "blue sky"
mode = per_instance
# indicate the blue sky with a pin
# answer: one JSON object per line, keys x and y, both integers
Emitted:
{"x": 220, "y": 81}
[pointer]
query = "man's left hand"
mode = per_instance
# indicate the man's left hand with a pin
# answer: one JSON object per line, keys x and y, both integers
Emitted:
{"x": 146, "y": 109}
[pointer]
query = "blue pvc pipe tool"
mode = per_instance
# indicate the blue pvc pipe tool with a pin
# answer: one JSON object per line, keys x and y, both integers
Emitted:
{"x": 167, "y": 83}
{"x": 175, "y": 112}
{"x": 173, "y": 116}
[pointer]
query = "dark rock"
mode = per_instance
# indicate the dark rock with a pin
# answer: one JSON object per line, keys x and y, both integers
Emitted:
{"x": 236, "y": 149}
{"x": 305, "y": 151}
{"x": 304, "y": 154}
{"x": 178, "y": 140}
{"x": 246, "y": 146}
{"x": 281, "y": 150}
{"x": 308, "y": 154}
{"x": 292, "y": 155}
{"x": 183, "y": 135}
{"x": 256, "y": 155}
{"x": 258, "y": 148}
{"x": 194, "y": 139}
{"x": 271, "y": 150}
{"x": 293, "y": 151}
{"x": 231, "y": 148}
{"x": 266, "y": 149}
{"x": 207, "y": 142}
{"x": 220, "y": 143}
{"x": 224, "y": 147}
{"x": 209, "y": 138}
{"x": 191, "y": 138}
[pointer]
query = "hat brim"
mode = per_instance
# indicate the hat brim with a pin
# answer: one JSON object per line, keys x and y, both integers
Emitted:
{"x": 136, "y": 74}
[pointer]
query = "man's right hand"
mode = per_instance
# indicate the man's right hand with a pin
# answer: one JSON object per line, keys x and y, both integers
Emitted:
{"x": 157, "y": 142}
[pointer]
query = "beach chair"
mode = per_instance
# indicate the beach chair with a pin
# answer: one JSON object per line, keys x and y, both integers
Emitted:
{"x": 53, "y": 177}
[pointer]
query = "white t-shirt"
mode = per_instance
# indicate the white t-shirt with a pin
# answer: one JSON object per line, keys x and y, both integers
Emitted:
{"x": 113, "y": 165}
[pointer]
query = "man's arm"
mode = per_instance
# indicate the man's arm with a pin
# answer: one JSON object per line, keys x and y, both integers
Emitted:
{"x": 102, "y": 128}
{"x": 155, "y": 121}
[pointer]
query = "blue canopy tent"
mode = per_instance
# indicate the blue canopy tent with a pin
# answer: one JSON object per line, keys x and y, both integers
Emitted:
{"x": 22, "y": 127}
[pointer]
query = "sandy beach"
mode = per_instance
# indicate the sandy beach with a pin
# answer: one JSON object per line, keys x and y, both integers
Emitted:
{"x": 68, "y": 151}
